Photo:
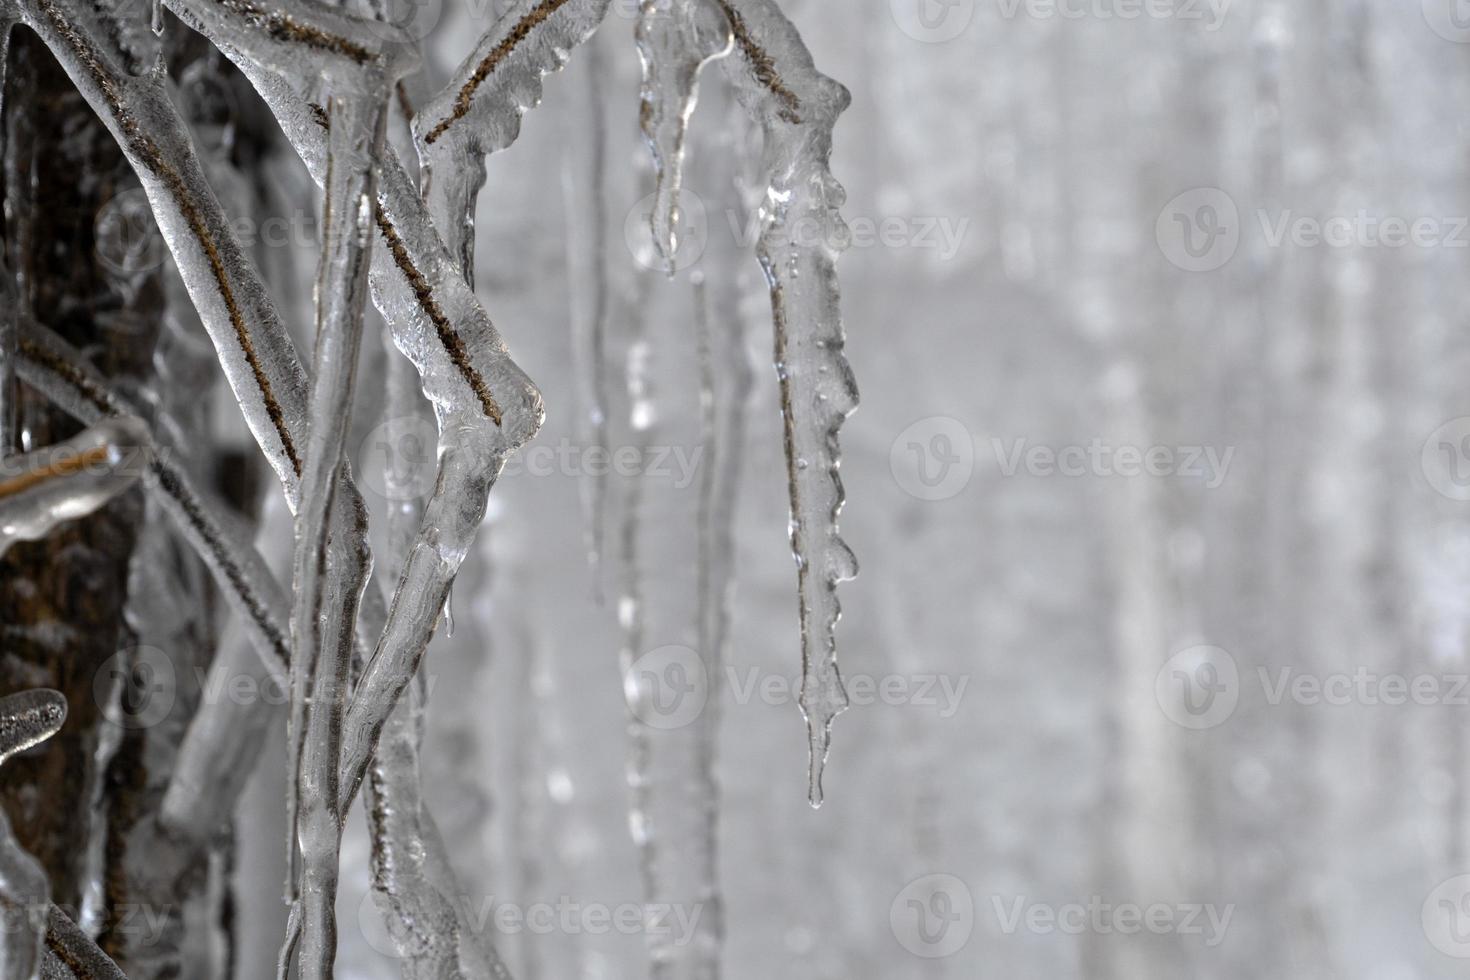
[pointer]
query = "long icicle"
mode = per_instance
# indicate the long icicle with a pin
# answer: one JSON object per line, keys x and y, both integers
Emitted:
{"x": 797, "y": 107}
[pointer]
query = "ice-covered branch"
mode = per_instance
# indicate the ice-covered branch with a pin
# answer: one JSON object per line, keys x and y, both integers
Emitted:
{"x": 69, "y": 480}
{"x": 329, "y": 583}
{"x": 485, "y": 404}
{"x": 254, "y": 349}
{"x": 75, "y": 951}
{"x": 26, "y": 719}
{"x": 479, "y": 112}
{"x": 57, "y": 370}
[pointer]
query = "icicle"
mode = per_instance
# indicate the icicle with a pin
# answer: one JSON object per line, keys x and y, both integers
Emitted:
{"x": 676, "y": 39}
{"x": 797, "y": 108}
{"x": 725, "y": 382}
{"x": 587, "y": 284}
{"x": 631, "y": 619}
{"x": 69, "y": 480}
{"x": 157, "y": 18}
{"x": 26, "y": 719}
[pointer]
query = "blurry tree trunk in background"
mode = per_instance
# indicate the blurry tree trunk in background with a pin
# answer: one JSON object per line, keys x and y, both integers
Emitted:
{"x": 62, "y": 599}
{"x": 114, "y": 608}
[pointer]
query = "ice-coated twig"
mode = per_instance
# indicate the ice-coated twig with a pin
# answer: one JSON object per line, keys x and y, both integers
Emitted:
{"x": 255, "y": 351}
{"x": 413, "y": 883}
{"x": 29, "y": 718}
{"x": 58, "y": 371}
{"x": 24, "y": 892}
{"x": 479, "y": 111}
{"x": 257, "y": 355}
{"x": 676, "y": 39}
{"x": 325, "y": 611}
{"x": 69, "y": 480}
{"x": 26, "y": 719}
{"x": 76, "y": 951}
{"x": 259, "y": 361}
{"x": 485, "y": 405}
{"x": 797, "y": 108}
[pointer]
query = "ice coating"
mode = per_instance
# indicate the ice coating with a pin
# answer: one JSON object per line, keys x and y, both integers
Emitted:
{"x": 413, "y": 883}
{"x": 479, "y": 111}
{"x": 255, "y": 351}
{"x": 26, "y": 719}
{"x": 71, "y": 479}
{"x": 53, "y": 367}
{"x": 802, "y": 234}
{"x": 75, "y": 951}
{"x": 329, "y": 581}
{"x": 676, "y": 39}
{"x": 24, "y": 891}
{"x": 484, "y": 403}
